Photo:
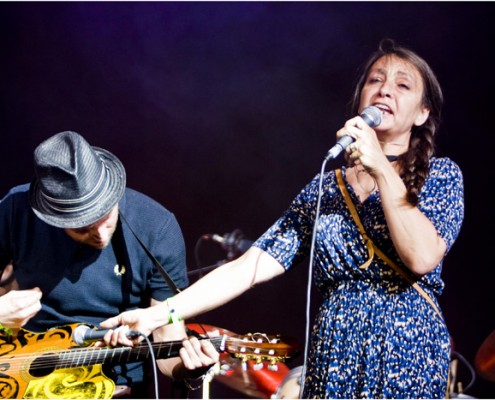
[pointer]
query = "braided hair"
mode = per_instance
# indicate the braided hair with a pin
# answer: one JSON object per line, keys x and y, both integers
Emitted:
{"x": 414, "y": 164}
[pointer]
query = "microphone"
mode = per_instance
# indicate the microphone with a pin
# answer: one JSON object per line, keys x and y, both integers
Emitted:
{"x": 84, "y": 335}
{"x": 371, "y": 115}
{"x": 234, "y": 243}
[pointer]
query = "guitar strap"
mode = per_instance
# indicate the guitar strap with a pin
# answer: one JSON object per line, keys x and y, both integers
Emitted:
{"x": 157, "y": 264}
{"x": 162, "y": 270}
{"x": 123, "y": 267}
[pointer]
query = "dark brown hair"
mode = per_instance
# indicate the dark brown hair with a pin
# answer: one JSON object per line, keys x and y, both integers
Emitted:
{"x": 414, "y": 164}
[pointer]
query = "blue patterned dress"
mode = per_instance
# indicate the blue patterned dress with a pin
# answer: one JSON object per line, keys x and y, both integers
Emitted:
{"x": 374, "y": 335}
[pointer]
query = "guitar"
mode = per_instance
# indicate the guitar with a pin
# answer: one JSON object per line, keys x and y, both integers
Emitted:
{"x": 51, "y": 365}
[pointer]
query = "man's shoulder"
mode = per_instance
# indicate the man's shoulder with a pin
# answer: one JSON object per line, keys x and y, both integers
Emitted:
{"x": 135, "y": 198}
{"x": 22, "y": 188}
{"x": 135, "y": 204}
{"x": 19, "y": 191}
{"x": 147, "y": 217}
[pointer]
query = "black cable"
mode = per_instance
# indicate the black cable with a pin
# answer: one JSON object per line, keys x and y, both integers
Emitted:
{"x": 310, "y": 277}
{"x": 470, "y": 368}
{"x": 153, "y": 362}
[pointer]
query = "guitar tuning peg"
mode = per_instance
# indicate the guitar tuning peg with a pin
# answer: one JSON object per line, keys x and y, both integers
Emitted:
{"x": 258, "y": 366}
{"x": 272, "y": 367}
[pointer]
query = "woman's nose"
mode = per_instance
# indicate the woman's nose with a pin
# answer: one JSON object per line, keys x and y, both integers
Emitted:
{"x": 386, "y": 89}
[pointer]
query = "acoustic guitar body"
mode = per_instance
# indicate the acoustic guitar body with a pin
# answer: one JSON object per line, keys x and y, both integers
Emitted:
{"x": 31, "y": 368}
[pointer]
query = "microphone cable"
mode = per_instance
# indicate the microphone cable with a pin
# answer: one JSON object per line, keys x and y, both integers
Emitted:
{"x": 310, "y": 277}
{"x": 373, "y": 117}
{"x": 153, "y": 363}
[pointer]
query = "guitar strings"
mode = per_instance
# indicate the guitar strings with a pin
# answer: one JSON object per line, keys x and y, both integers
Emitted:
{"x": 86, "y": 355}
{"x": 74, "y": 357}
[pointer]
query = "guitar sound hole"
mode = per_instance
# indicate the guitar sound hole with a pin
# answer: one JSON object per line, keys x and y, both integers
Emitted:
{"x": 43, "y": 365}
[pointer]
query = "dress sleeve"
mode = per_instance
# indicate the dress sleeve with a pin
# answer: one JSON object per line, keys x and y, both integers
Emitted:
{"x": 442, "y": 199}
{"x": 288, "y": 240}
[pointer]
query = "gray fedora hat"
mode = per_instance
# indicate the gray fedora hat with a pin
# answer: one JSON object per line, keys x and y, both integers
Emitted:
{"x": 75, "y": 184}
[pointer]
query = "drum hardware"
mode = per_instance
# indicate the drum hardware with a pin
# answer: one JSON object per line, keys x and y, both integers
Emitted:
{"x": 291, "y": 385}
{"x": 456, "y": 388}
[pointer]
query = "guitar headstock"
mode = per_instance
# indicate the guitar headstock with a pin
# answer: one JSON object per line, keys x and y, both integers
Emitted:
{"x": 261, "y": 347}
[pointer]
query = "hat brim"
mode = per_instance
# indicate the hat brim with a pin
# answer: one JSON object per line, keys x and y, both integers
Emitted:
{"x": 116, "y": 181}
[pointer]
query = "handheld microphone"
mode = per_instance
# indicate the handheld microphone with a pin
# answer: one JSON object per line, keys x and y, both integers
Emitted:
{"x": 84, "y": 335}
{"x": 371, "y": 115}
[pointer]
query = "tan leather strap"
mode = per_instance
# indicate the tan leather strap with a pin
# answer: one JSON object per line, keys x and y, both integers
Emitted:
{"x": 373, "y": 249}
{"x": 350, "y": 205}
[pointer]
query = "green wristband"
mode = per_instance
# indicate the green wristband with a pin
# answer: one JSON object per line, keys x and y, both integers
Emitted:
{"x": 3, "y": 329}
{"x": 174, "y": 317}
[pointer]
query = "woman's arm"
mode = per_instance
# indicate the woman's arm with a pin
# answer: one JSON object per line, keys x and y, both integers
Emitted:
{"x": 213, "y": 290}
{"x": 415, "y": 239}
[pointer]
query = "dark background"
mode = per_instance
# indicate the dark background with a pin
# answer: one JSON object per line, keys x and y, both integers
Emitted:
{"x": 223, "y": 111}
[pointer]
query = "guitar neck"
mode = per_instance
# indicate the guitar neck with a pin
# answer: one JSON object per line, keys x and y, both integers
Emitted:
{"x": 76, "y": 357}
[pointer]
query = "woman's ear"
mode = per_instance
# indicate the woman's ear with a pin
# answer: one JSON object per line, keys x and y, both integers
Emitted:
{"x": 422, "y": 116}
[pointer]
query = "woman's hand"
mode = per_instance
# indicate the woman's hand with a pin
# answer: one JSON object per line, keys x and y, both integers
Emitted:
{"x": 142, "y": 320}
{"x": 365, "y": 150}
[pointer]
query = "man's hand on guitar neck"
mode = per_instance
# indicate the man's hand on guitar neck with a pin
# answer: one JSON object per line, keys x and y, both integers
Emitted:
{"x": 196, "y": 354}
